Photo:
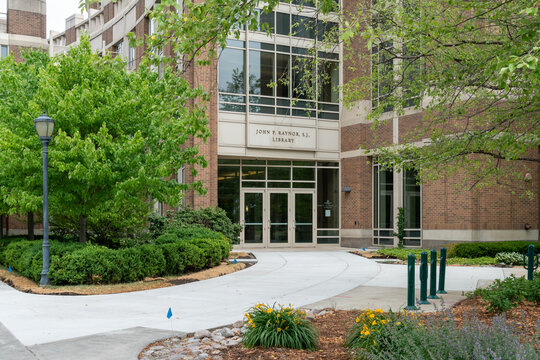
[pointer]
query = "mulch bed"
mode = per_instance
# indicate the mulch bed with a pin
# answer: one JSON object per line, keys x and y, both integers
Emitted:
{"x": 333, "y": 329}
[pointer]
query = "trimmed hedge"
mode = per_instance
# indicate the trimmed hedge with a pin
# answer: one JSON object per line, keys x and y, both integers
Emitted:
{"x": 491, "y": 249}
{"x": 75, "y": 264}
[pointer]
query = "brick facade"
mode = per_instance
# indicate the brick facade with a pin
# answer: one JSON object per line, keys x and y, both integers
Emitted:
{"x": 26, "y": 23}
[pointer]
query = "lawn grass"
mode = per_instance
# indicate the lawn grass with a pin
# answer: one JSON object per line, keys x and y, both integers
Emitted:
{"x": 402, "y": 254}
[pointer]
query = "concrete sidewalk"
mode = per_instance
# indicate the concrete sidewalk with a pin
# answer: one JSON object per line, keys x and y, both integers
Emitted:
{"x": 55, "y": 327}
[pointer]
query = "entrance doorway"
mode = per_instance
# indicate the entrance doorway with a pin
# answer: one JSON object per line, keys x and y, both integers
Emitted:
{"x": 278, "y": 218}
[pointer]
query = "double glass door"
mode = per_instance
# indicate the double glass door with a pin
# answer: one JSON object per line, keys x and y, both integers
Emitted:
{"x": 278, "y": 217}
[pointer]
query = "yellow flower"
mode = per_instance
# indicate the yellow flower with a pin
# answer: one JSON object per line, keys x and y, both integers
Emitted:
{"x": 153, "y": 37}
{"x": 398, "y": 323}
{"x": 379, "y": 311}
{"x": 253, "y": 325}
{"x": 374, "y": 323}
{"x": 269, "y": 310}
{"x": 383, "y": 321}
{"x": 278, "y": 315}
{"x": 374, "y": 342}
{"x": 278, "y": 329}
{"x": 185, "y": 19}
{"x": 357, "y": 319}
{"x": 372, "y": 316}
{"x": 250, "y": 321}
{"x": 367, "y": 332}
{"x": 286, "y": 327}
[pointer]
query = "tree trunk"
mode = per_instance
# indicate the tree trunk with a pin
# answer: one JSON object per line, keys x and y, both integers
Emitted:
{"x": 82, "y": 229}
{"x": 1, "y": 226}
{"x": 7, "y": 225}
{"x": 30, "y": 224}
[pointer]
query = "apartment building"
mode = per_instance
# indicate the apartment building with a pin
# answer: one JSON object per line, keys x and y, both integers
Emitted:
{"x": 290, "y": 168}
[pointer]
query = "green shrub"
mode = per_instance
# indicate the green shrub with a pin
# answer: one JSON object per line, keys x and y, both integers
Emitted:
{"x": 440, "y": 338}
{"x": 278, "y": 327}
{"x": 211, "y": 250}
{"x": 507, "y": 294}
{"x": 371, "y": 327}
{"x": 491, "y": 249}
{"x": 509, "y": 258}
{"x": 213, "y": 218}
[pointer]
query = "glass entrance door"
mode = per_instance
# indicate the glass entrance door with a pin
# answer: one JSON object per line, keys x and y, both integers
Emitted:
{"x": 278, "y": 203}
{"x": 253, "y": 218}
{"x": 303, "y": 218}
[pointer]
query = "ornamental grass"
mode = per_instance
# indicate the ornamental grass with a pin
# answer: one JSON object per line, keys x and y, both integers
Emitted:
{"x": 278, "y": 326}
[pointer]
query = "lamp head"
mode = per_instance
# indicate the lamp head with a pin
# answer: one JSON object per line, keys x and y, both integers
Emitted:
{"x": 44, "y": 126}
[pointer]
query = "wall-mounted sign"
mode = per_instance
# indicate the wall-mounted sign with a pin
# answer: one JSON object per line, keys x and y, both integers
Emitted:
{"x": 282, "y": 137}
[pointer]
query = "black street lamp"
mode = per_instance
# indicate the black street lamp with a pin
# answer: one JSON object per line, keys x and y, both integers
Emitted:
{"x": 44, "y": 127}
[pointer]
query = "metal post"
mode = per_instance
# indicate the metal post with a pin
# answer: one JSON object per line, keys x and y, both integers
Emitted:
{"x": 46, "y": 255}
{"x": 410, "y": 283}
{"x": 530, "y": 266}
{"x": 442, "y": 272}
{"x": 423, "y": 279}
{"x": 433, "y": 276}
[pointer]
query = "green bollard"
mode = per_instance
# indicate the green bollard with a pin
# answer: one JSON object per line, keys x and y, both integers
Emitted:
{"x": 423, "y": 279}
{"x": 410, "y": 283}
{"x": 531, "y": 266}
{"x": 433, "y": 276}
{"x": 442, "y": 272}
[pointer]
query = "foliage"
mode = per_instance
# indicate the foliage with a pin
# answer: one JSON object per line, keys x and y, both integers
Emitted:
{"x": 118, "y": 138}
{"x": 213, "y": 218}
{"x": 441, "y": 338}
{"x": 471, "y": 66}
{"x": 491, "y": 249}
{"x": 278, "y": 326}
{"x": 402, "y": 254}
{"x": 509, "y": 258}
{"x": 156, "y": 224}
{"x": 400, "y": 226}
{"x": 371, "y": 327}
{"x": 505, "y": 295}
{"x": 75, "y": 263}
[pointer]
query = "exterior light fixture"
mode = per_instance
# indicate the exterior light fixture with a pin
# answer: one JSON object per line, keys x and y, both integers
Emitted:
{"x": 44, "y": 128}
{"x": 346, "y": 189}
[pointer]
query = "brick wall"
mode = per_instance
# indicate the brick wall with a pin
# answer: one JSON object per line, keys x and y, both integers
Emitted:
{"x": 356, "y": 206}
{"x": 26, "y": 23}
{"x": 108, "y": 12}
{"x": 362, "y": 135}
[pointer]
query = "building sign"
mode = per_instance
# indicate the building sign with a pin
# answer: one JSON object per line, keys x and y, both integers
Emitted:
{"x": 282, "y": 137}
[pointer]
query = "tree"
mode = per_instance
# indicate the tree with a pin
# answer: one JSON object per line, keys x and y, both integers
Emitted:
{"x": 20, "y": 181}
{"x": 118, "y": 138}
{"x": 471, "y": 66}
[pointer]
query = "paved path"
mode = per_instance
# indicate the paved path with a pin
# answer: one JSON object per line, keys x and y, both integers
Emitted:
{"x": 48, "y": 326}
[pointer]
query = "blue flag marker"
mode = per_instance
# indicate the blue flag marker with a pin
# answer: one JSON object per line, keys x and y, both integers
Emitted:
{"x": 169, "y": 314}
{"x": 363, "y": 249}
{"x": 234, "y": 262}
{"x": 9, "y": 269}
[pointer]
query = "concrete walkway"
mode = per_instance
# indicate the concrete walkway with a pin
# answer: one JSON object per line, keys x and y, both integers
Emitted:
{"x": 61, "y": 327}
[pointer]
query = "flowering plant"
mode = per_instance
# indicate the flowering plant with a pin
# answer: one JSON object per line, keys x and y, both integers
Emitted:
{"x": 278, "y": 326}
{"x": 371, "y": 326}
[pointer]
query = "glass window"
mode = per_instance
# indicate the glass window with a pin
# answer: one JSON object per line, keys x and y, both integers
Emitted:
{"x": 302, "y": 77}
{"x": 265, "y": 21}
{"x": 253, "y": 173}
{"x": 279, "y": 173}
{"x": 282, "y": 75}
{"x": 304, "y": 174}
{"x": 382, "y": 73}
{"x": 261, "y": 72}
{"x": 4, "y": 51}
{"x": 229, "y": 191}
{"x": 327, "y": 31}
{"x": 303, "y": 26}
{"x": 329, "y": 81}
{"x": 411, "y": 201}
{"x": 327, "y": 198}
{"x": 131, "y": 57}
{"x": 231, "y": 71}
{"x": 283, "y": 24}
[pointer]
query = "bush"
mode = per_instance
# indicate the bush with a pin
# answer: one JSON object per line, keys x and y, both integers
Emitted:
{"x": 211, "y": 249}
{"x": 509, "y": 258}
{"x": 372, "y": 326}
{"x": 507, "y": 294}
{"x": 213, "y": 218}
{"x": 440, "y": 338}
{"x": 491, "y": 249}
{"x": 278, "y": 327}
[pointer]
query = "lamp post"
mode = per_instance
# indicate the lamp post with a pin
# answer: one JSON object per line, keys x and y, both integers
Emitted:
{"x": 44, "y": 127}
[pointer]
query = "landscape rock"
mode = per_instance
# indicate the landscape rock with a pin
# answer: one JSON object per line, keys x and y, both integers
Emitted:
{"x": 199, "y": 334}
